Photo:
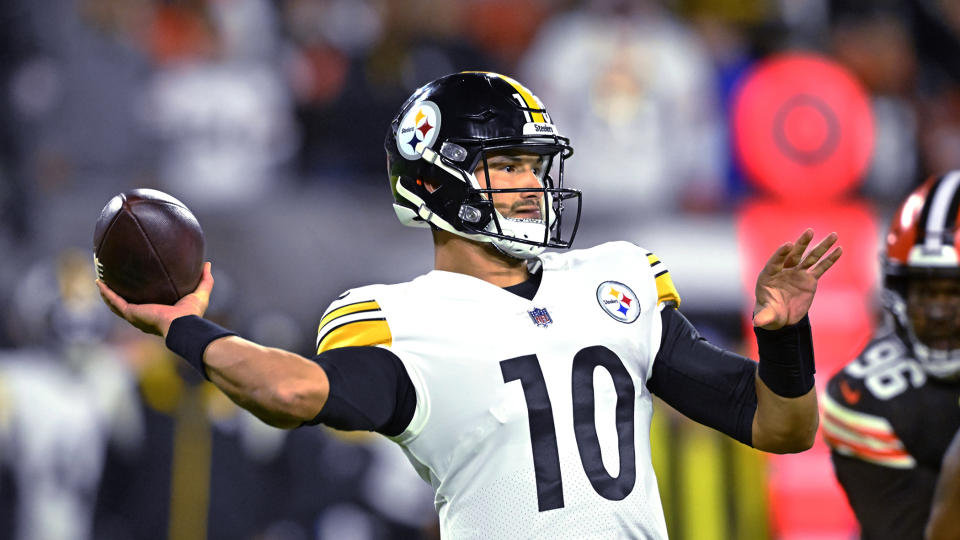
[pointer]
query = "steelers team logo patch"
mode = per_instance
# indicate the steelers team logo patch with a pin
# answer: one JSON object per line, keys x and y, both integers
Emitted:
{"x": 421, "y": 124}
{"x": 619, "y": 301}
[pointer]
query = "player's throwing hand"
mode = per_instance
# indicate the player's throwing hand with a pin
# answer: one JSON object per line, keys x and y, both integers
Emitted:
{"x": 156, "y": 318}
{"x": 787, "y": 283}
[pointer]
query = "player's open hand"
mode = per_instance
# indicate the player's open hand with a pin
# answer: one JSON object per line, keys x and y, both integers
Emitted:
{"x": 787, "y": 283}
{"x": 156, "y": 318}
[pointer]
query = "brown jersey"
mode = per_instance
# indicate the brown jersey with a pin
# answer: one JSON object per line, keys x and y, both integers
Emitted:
{"x": 888, "y": 425}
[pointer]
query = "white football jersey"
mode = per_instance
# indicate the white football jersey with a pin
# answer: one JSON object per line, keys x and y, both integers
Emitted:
{"x": 532, "y": 416}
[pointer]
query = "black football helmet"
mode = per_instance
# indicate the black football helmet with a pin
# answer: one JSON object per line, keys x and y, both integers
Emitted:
{"x": 923, "y": 244}
{"x": 445, "y": 131}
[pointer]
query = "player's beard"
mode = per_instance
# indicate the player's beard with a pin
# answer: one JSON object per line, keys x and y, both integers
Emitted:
{"x": 521, "y": 210}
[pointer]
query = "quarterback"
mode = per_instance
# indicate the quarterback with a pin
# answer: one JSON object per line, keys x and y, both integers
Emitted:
{"x": 519, "y": 383}
{"x": 890, "y": 414}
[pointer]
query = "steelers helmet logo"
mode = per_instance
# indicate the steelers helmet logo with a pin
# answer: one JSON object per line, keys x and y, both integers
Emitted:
{"x": 421, "y": 124}
{"x": 619, "y": 301}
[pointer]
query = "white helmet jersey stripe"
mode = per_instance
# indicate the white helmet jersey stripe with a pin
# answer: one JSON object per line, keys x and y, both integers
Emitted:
{"x": 528, "y": 100}
{"x": 523, "y": 103}
{"x": 939, "y": 207}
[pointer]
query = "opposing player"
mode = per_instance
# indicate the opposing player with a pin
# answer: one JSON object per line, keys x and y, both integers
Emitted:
{"x": 890, "y": 414}
{"x": 944, "y": 522}
{"x": 518, "y": 382}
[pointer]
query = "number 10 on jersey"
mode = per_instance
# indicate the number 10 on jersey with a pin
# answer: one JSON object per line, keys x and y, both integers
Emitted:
{"x": 543, "y": 433}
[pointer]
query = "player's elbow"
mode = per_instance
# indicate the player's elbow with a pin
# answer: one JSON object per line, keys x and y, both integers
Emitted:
{"x": 785, "y": 425}
{"x": 285, "y": 405}
{"x": 793, "y": 445}
{"x": 799, "y": 438}
{"x": 806, "y": 440}
{"x": 298, "y": 399}
{"x": 787, "y": 437}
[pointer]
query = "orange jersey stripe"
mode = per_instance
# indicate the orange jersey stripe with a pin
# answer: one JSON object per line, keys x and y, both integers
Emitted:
{"x": 884, "y": 436}
{"x": 892, "y": 455}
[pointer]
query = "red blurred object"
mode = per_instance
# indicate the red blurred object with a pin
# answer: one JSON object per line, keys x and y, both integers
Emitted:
{"x": 507, "y": 37}
{"x": 763, "y": 225}
{"x": 802, "y": 127}
{"x": 179, "y": 33}
{"x": 320, "y": 76}
{"x": 805, "y": 500}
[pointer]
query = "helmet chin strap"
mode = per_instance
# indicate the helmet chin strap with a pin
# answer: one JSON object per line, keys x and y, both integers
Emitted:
{"x": 519, "y": 250}
{"x": 938, "y": 363}
{"x": 530, "y": 230}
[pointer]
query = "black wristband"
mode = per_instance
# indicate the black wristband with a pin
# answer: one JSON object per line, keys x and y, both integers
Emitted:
{"x": 189, "y": 336}
{"x": 786, "y": 358}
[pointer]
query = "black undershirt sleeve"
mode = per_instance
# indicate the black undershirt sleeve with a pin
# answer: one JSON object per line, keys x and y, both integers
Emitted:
{"x": 706, "y": 383}
{"x": 370, "y": 390}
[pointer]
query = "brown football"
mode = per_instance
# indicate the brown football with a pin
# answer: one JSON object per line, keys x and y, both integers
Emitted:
{"x": 148, "y": 247}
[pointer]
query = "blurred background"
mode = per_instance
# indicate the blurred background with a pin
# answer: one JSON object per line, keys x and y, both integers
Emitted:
{"x": 706, "y": 131}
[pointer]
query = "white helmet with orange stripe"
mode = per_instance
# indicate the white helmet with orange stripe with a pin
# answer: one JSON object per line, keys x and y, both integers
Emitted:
{"x": 922, "y": 273}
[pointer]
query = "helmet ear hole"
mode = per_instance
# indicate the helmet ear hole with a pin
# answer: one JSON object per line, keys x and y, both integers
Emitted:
{"x": 419, "y": 185}
{"x": 428, "y": 184}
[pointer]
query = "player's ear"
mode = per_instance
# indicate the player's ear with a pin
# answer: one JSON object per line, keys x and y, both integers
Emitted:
{"x": 430, "y": 185}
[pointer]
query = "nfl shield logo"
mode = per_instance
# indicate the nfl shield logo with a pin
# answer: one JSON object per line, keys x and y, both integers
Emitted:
{"x": 540, "y": 317}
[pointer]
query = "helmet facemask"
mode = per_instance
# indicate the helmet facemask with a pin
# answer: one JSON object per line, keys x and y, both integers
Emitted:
{"x": 528, "y": 234}
{"x": 467, "y": 197}
{"x": 926, "y": 306}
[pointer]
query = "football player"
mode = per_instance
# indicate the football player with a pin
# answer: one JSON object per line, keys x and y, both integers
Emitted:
{"x": 890, "y": 414}
{"x": 518, "y": 383}
{"x": 944, "y": 523}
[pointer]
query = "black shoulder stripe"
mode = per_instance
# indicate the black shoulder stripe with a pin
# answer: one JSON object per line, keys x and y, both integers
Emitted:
{"x": 335, "y": 308}
{"x": 341, "y": 325}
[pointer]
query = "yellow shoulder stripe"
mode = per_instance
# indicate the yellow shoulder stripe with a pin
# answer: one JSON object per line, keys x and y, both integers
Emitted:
{"x": 666, "y": 290}
{"x": 349, "y": 309}
{"x": 356, "y": 334}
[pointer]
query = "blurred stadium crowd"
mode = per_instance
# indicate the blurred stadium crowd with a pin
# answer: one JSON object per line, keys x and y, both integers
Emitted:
{"x": 267, "y": 118}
